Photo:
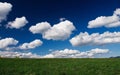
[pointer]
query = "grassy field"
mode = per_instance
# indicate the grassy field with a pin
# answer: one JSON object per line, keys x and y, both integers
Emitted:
{"x": 59, "y": 66}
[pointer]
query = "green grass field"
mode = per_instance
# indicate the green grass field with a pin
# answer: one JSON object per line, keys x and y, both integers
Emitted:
{"x": 70, "y": 66}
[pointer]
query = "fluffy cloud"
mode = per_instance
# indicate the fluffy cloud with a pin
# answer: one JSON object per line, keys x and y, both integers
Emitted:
{"x": 5, "y": 8}
{"x": 117, "y": 12}
{"x": 18, "y": 23}
{"x": 11, "y": 44}
{"x": 95, "y": 38}
{"x": 40, "y": 27}
{"x": 106, "y": 21}
{"x": 31, "y": 45}
{"x": 69, "y": 53}
{"x": 4, "y": 43}
{"x": 60, "y": 31}
{"x": 10, "y": 54}
{"x": 66, "y": 53}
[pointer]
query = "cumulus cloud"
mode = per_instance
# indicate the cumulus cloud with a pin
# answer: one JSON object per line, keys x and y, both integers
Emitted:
{"x": 18, "y": 23}
{"x": 69, "y": 53}
{"x": 95, "y": 38}
{"x": 40, "y": 27}
{"x": 31, "y": 45}
{"x": 11, "y": 44}
{"x": 106, "y": 21}
{"x": 60, "y": 31}
{"x": 4, "y": 43}
{"x": 5, "y": 8}
{"x": 66, "y": 53}
{"x": 10, "y": 54}
{"x": 117, "y": 12}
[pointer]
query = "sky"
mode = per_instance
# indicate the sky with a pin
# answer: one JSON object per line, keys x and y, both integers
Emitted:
{"x": 59, "y": 28}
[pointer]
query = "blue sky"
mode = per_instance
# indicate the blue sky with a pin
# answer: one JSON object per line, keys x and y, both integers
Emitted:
{"x": 77, "y": 14}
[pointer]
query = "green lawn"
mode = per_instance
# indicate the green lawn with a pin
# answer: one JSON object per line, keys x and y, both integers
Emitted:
{"x": 59, "y": 66}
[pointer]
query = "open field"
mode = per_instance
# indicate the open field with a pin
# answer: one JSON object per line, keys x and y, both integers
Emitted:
{"x": 16, "y": 66}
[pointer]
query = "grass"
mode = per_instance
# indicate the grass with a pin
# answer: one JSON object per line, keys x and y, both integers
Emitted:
{"x": 63, "y": 66}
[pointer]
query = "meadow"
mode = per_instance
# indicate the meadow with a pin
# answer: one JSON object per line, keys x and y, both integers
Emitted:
{"x": 60, "y": 66}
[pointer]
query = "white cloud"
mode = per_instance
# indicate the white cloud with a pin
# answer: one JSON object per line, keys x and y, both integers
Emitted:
{"x": 95, "y": 38}
{"x": 66, "y": 53}
{"x": 62, "y": 19}
{"x": 69, "y": 53}
{"x": 18, "y": 23}
{"x": 10, "y": 54}
{"x": 4, "y": 43}
{"x": 117, "y": 12}
{"x": 106, "y": 21}
{"x": 11, "y": 44}
{"x": 60, "y": 31}
{"x": 31, "y": 45}
{"x": 40, "y": 27}
{"x": 5, "y": 8}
